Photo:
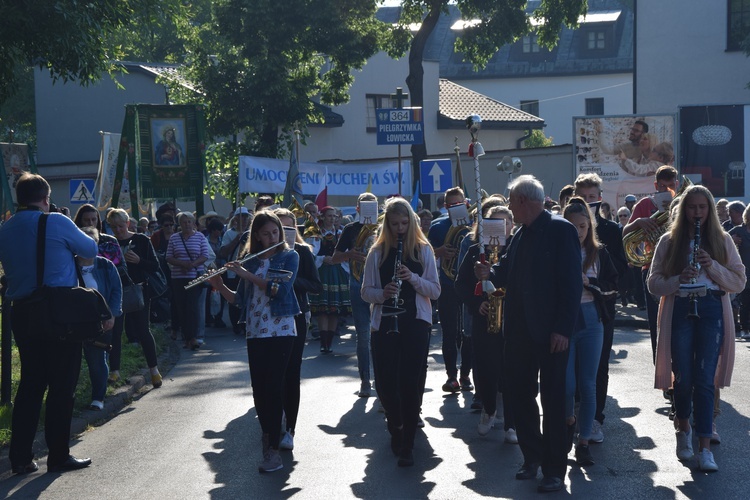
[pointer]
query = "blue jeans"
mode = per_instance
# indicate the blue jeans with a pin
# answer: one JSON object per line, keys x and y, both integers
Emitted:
{"x": 695, "y": 354}
{"x": 583, "y": 359}
{"x": 361, "y": 314}
{"x": 96, "y": 358}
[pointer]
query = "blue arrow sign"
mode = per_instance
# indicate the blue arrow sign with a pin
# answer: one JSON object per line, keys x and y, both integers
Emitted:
{"x": 435, "y": 175}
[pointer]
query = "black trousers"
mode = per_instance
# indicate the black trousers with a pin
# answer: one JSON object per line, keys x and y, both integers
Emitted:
{"x": 449, "y": 311}
{"x": 489, "y": 376}
{"x": 186, "y": 303}
{"x": 268, "y": 359}
{"x": 46, "y": 364}
{"x": 398, "y": 360}
{"x": 602, "y": 374}
{"x": 525, "y": 363}
{"x": 293, "y": 370}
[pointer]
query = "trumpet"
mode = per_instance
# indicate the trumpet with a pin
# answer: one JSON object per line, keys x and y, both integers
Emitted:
{"x": 210, "y": 274}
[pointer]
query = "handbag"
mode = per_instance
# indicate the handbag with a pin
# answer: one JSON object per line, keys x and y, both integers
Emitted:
{"x": 73, "y": 314}
{"x": 132, "y": 297}
{"x": 156, "y": 283}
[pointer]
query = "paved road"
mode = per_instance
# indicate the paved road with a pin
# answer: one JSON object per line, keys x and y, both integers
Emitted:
{"x": 197, "y": 437}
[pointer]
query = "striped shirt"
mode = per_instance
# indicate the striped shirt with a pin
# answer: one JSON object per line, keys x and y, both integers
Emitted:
{"x": 194, "y": 247}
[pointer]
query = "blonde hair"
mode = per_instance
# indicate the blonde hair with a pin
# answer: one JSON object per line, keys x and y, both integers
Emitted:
{"x": 414, "y": 239}
{"x": 117, "y": 215}
{"x": 712, "y": 234}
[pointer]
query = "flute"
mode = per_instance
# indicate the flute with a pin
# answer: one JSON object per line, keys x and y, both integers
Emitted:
{"x": 210, "y": 274}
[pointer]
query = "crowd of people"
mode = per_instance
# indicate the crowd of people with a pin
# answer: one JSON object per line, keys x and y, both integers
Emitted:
{"x": 527, "y": 310}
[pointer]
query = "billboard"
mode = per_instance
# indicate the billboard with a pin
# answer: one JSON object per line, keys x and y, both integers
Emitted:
{"x": 625, "y": 151}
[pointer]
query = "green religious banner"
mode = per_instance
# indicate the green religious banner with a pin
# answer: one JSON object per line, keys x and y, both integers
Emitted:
{"x": 164, "y": 148}
{"x": 15, "y": 159}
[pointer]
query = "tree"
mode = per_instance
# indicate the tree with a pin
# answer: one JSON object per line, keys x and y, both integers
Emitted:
{"x": 537, "y": 139}
{"x": 259, "y": 65}
{"x": 500, "y": 22}
{"x": 65, "y": 36}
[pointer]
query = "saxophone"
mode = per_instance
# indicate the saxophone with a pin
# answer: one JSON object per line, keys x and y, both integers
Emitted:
{"x": 363, "y": 243}
{"x": 496, "y": 299}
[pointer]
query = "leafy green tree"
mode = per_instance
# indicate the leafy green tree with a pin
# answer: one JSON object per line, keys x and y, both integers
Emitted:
{"x": 537, "y": 139}
{"x": 65, "y": 36}
{"x": 500, "y": 22}
{"x": 259, "y": 65}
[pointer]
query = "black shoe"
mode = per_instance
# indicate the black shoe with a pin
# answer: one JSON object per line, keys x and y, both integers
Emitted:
{"x": 527, "y": 471}
{"x": 466, "y": 384}
{"x": 72, "y": 463}
{"x": 406, "y": 458}
{"x": 583, "y": 455}
{"x": 476, "y": 402}
{"x": 550, "y": 484}
{"x": 26, "y": 469}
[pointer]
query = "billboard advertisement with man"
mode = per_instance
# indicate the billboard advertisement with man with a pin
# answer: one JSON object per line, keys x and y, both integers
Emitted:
{"x": 625, "y": 151}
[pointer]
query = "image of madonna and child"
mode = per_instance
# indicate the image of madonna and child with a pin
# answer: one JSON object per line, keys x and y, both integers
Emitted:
{"x": 695, "y": 353}
{"x": 400, "y": 343}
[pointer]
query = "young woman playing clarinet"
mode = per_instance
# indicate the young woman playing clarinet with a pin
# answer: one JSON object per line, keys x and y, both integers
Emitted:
{"x": 268, "y": 308}
{"x": 599, "y": 275}
{"x": 696, "y": 330}
{"x": 400, "y": 269}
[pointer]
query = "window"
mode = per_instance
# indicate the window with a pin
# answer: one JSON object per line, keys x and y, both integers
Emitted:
{"x": 595, "y": 106}
{"x": 596, "y": 40}
{"x": 530, "y": 44}
{"x": 738, "y": 23}
{"x": 374, "y": 102}
{"x": 531, "y": 107}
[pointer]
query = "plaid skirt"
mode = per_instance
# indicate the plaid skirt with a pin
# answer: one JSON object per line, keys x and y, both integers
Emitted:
{"x": 335, "y": 298}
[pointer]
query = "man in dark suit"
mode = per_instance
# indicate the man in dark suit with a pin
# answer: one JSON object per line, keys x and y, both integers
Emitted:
{"x": 589, "y": 187}
{"x": 541, "y": 274}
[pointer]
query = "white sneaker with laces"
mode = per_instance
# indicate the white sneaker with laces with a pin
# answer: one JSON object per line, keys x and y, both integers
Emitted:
{"x": 597, "y": 433}
{"x": 511, "y": 437}
{"x": 287, "y": 441}
{"x": 706, "y": 461}
{"x": 684, "y": 445}
{"x": 485, "y": 423}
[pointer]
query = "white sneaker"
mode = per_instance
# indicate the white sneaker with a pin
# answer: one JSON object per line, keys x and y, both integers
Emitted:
{"x": 96, "y": 405}
{"x": 511, "y": 437}
{"x": 706, "y": 461}
{"x": 287, "y": 441}
{"x": 597, "y": 433}
{"x": 715, "y": 437}
{"x": 684, "y": 445}
{"x": 485, "y": 423}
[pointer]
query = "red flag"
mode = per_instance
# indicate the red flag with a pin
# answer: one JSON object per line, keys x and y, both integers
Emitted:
{"x": 322, "y": 199}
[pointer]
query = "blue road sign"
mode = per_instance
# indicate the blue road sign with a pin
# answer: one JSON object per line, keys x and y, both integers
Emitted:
{"x": 400, "y": 126}
{"x": 82, "y": 191}
{"x": 435, "y": 175}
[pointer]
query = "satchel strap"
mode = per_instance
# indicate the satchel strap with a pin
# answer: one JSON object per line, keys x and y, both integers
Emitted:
{"x": 41, "y": 236}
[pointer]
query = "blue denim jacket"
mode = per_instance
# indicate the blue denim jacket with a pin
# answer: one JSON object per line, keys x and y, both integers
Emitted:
{"x": 284, "y": 303}
{"x": 108, "y": 284}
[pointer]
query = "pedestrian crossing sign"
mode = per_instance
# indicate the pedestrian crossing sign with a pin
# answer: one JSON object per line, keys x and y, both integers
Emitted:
{"x": 82, "y": 191}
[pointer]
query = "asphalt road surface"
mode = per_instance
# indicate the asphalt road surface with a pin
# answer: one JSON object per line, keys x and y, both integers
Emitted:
{"x": 197, "y": 437}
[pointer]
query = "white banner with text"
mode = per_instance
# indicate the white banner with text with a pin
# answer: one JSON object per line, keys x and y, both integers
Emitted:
{"x": 268, "y": 175}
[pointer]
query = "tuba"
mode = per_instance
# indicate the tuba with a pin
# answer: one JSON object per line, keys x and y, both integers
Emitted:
{"x": 632, "y": 241}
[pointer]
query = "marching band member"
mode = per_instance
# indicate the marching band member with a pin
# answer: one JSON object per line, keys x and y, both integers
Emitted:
{"x": 541, "y": 274}
{"x": 488, "y": 347}
{"x": 268, "y": 308}
{"x": 586, "y": 343}
{"x": 449, "y": 307}
{"x": 333, "y": 302}
{"x": 400, "y": 343}
{"x": 347, "y": 250}
{"x": 307, "y": 281}
{"x": 699, "y": 351}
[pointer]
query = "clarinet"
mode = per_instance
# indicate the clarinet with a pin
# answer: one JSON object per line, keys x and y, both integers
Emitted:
{"x": 396, "y": 308}
{"x": 693, "y": 297}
